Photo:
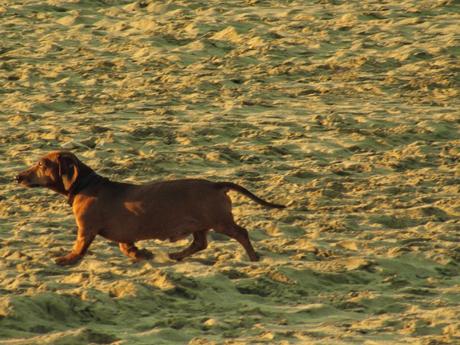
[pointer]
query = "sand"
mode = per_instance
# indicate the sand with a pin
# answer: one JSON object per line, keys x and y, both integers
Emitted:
{"x": 346, "y": 111}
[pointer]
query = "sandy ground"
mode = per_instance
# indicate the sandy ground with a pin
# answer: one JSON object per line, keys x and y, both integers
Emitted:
{"x": 346, "y": 111}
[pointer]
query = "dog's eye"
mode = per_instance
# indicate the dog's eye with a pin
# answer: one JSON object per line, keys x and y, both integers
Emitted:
{"x": 40, "y": 163}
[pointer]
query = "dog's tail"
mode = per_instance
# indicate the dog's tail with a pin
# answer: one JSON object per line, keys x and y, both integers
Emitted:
{"x": 237, "y": 188}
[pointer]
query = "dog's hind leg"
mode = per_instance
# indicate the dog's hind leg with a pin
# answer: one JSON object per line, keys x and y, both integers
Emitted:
{"x": 199, "y": 243}
{"x": 240, "y": 234}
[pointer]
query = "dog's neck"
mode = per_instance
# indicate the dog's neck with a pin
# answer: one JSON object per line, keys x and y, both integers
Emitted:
{"x": 81, "y": 183}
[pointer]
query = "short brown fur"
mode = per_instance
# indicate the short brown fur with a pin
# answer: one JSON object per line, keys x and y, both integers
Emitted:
{"x": 127, "y": 213}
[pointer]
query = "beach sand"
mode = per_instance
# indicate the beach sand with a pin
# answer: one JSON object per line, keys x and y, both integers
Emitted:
{"x": 347, "y": 112}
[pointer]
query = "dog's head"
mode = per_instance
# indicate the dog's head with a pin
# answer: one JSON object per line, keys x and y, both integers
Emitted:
{"x": 57, "y": 170}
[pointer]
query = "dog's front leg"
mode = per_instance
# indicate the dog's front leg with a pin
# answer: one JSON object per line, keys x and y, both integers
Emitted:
{"x": 84, "y": 239}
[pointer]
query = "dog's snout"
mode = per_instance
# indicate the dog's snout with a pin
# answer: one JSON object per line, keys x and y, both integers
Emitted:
{"x": 22, "y": 177}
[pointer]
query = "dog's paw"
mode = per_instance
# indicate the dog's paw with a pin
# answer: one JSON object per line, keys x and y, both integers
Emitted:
{"x": 144, "y": 254}
{"x": 175, "y": 256}
{"x": 254, "y": 257}
{"x": 67, "y": 260}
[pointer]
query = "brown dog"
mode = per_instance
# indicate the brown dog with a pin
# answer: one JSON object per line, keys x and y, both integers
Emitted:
{"x": 126, "y": 213}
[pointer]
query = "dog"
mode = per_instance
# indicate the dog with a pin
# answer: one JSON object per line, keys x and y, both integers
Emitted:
{"x": 127, "y": 213}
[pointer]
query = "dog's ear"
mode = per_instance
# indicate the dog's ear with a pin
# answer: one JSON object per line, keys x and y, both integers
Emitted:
{"x": 68, "y": 169}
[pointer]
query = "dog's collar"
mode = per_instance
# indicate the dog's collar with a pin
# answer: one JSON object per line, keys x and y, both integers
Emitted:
{"x": 81, "y": 184}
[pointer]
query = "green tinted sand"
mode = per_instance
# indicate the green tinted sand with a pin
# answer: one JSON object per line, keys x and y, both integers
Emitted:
{"x": 348, "y": 112}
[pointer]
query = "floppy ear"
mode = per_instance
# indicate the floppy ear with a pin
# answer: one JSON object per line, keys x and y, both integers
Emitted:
{"x": 68, "y": 170}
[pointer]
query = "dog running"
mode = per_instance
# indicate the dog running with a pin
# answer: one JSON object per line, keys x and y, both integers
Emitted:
{"x": 127, "y": 213}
